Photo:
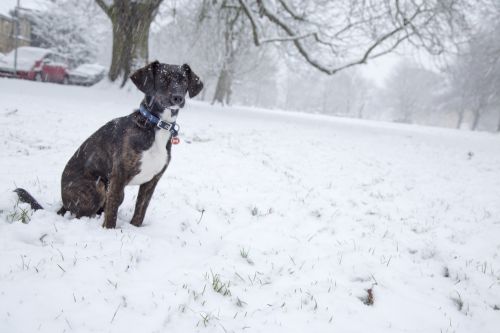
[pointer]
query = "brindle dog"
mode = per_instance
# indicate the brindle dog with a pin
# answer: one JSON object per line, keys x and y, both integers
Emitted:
{"x": 126, "y": 151}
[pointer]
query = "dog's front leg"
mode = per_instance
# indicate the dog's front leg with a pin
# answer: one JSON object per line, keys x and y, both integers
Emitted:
{"x": 145, "y": 193}
{"x": 114, "y": 198}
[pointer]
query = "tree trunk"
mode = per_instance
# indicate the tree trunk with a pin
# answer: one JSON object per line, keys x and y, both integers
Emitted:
{"x": 204, "y": 93}
{"x": 131, "y": 22}
{"x": 460, "y": 118}
{"x": 476, "y": 118}
{"x": 223, "y": 88}
{"x": 407, "y": 116}
{"x": 361, "y": 108}
{"x": 281, "y": 79}
{"x": 326, "y": 94}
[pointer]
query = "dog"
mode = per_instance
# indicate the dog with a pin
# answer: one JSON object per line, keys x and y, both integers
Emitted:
{"x": 131, "y": 150}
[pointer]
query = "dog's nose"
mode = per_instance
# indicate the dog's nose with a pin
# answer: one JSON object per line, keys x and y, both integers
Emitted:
{"x": 177, "y": 99}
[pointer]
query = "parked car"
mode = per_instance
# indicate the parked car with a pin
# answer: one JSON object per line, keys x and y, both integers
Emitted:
{"x": 4, "y": 71}
{"x": 35, "y": 63}
{"x": 86, "y": 74}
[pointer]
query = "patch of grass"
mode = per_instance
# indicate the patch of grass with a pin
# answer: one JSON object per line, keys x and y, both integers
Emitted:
{"x": 20, "y": 214}
{"x": 240, "y": 303}
{"x": 458, "y": 302}
{"x": 205, "y": 318}
{"x": 255, "y": 211}
{"x": 316, "y": 213}
{"x": 244, "y": 254}
{"x": 219, "y": 286}
{"x": 307, "y": 300}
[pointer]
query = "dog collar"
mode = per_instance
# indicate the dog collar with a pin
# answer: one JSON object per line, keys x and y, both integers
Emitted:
{"x": 173, "y": 128}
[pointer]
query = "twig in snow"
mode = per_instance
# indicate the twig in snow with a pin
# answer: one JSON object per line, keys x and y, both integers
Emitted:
{"x": 10, "y": 113}
{"x": 62, "y": 257}
{"x": 240, "y": 303}
{"x": 114, "y": 284}
{"x": 238, "y": 275}
{"x": 201, "y": 216}
{"x": 223, "y": 328}
{"x": 42, "y": 237}
{"x": 67, "y": 322}
{"x": 388, "y": 261}
{"x": 22, "y": 262}
{"x": 114, "y": 314}
{"x": 458, "y": 301}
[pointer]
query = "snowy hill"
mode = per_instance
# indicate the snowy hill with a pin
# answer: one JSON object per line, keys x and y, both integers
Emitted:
{"x": 265, "y": 221}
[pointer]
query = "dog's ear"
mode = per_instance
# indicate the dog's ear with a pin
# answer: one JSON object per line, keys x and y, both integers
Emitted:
{"x": 144, "y": 78}
{"x": 194, "y": 83}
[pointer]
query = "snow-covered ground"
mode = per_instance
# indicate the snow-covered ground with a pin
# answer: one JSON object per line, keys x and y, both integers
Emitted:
{"x": 297, "y": 218}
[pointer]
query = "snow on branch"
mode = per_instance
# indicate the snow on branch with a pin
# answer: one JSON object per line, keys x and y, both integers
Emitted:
{"x": 333, "y": 36}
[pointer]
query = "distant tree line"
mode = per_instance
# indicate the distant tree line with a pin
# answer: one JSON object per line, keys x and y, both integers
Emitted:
{"x": 301, "y": 55}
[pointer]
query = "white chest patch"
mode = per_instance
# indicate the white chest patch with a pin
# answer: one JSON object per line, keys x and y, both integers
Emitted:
{"x": 153, "y": 159}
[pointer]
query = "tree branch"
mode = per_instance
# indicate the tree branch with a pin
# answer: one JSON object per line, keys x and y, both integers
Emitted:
{"x": 155, "y": 4}
{"x": 104, "y": 7}
{"x": 286, "y": 38}
{"x": 290, "y": 11}
{"x": 256, "y": 30}
{"x": 253, "y": 22}
{"x": 297, "y": 39}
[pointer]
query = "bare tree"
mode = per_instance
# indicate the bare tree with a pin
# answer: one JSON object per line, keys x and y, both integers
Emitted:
{"x": 345, "y": 94}
{"x": 336, "y": 35}
{"x": 231, "y": 36}
{"x": 215, "y": 38}
{"x": 412, "y": 91}
{"x": 475, "y": 77}
{"x": 131, "y": 22}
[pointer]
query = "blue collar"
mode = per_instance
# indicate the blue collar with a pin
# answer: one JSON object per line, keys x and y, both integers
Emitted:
{"x": 173, "y": 128}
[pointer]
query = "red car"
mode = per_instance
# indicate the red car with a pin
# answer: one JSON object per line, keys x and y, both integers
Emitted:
{"x": 35, "y": 63}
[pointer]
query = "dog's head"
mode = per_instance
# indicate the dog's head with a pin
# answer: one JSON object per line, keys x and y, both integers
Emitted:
{"x": 167, "y": 84}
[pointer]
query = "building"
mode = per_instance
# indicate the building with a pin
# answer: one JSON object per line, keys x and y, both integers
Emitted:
{"x": 8, "y": 31}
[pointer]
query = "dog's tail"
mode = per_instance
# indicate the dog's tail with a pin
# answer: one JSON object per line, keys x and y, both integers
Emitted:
{"x": 25, "y": 197}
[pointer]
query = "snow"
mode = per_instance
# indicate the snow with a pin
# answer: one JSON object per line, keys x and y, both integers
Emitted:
{"x": 300, "y": 214}
{"x": 88, "y": 70}
{"x": 26, "y": 58}
{"x": 6, "y": 6}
